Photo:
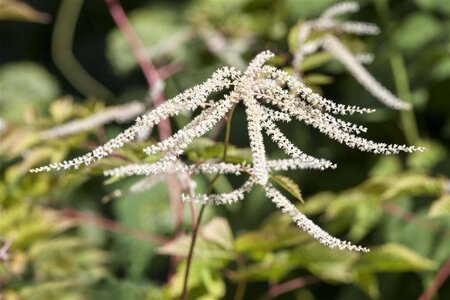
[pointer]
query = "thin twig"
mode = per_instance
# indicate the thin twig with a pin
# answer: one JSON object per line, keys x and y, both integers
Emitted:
{"x": 4, "y": 249}
{"x": 195, "y": 231}
{"x": 109, "y": 225}
{"x": 156, "y": 86}
{"x": 396, "y": 210}
{"x": 288, "y": 286}
{"x": 438, "y": 281}
{"x": 242, "y": 282}
{"x": 61, "y": 49}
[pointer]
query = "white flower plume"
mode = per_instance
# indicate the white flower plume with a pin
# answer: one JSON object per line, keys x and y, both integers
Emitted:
{"x": 269, "y": 95}
{"x": 326, "y": 23}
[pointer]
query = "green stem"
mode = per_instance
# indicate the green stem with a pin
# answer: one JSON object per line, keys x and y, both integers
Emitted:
{"x": 242, "y": 283}
{"x": 195, "y": 231}
{"x": 61, "y": 48}
{"x": 407, "y": 117}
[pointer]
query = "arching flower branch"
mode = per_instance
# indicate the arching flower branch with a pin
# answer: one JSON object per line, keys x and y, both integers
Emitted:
{"x": 269, "y": 95}
{"x": 323, "y": 33}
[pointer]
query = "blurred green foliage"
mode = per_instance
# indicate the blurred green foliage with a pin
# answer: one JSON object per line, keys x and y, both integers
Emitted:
{"x": 398, "y": 206}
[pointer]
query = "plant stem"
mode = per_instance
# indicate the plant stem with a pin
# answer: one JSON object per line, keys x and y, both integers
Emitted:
{"x": 156, "y": 93}
{"x": 438, "y": 281}
{"x": 288, "y": 286}
{"x": 195, "y": 231}
{"x": 407, "y": 117}
{"x": 110, "y": 225}
{"x": 242, "y": 283}
{"x": 61, "y": 50}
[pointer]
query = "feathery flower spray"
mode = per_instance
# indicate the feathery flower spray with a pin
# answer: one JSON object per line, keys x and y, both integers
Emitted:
{"x": 269, "y": 95}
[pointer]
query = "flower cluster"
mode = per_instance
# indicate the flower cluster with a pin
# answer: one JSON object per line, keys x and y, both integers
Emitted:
{"x": 330, "y": 28}
{"x": 269, "y": 95}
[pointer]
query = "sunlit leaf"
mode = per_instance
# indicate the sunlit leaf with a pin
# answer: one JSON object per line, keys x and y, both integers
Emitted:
{"x": 440, "y": 207}
{"x": 394, "y": 258}
{"x": 289, "y": 185}
{"x": 24, "y": 85}
{"x": 20, "y": 11}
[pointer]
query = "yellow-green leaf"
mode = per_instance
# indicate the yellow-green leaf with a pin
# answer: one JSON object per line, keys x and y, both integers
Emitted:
{"x": 440, "y": 207}
{"x": 289, "y": 185}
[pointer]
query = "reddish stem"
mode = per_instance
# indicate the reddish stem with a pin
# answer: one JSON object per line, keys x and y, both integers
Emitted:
{"x": 152, "y": 76}
{"x": 288, "y": 286}
{"x": 4, "y": 249}
{"x": 109, "y": 225}
{"x": 438, "y": 281}
{"x": 156, "y": 85}
{"x": 169, "y": 70}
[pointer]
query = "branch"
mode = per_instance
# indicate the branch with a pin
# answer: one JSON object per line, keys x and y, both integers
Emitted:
{"x": 438, "y": 281}
{"x": 288, "y": 286}
{"x": 109, "y": 225}
{"x": 61, "y": 50}
{"x": 153, "y": 78}
{"x": 4, "y": 249}
{"x": 156, "y": 89}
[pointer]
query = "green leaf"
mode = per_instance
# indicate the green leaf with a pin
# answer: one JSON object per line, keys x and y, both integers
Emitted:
{"x": 367, "y": 281}
{"x": 306, "y": 8}
{"x": 24, "y": 85}
{"x": 21, "y": 11}
{"x": 386, "y": 165}
{"x": 441, "y": 6}
{"x": 328, "y": 264}
{"x": 317, "y": 203}
{"x": 203, "y": 149}
{"x": 425, "y": 161}
{"x": 218, "y": 230}
{"x": 394, "y": 258}
{"x": 441, "y": 69}
{"x": 210, "y": 244}
{"x": 273, "y": 267}
{"x": 417, "y": 31}
{"x": 266, "y": 240}
{"x": 440, "y": 207}
{"x": 317, "y": 79}
{"x": 205, "y": 282}
{"x": 315, "y": 61}
{"x": 415, "y": 185}
{"x": 289, "y": 185}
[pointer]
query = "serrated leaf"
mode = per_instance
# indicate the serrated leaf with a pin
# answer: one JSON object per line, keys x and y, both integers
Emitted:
{"x": 259, "y": 243}
{"x": 204, "y": 249}
{"x": 440, "y": 207}
{"x": 218, "y": 230}
{"x": 289, "y": 185}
